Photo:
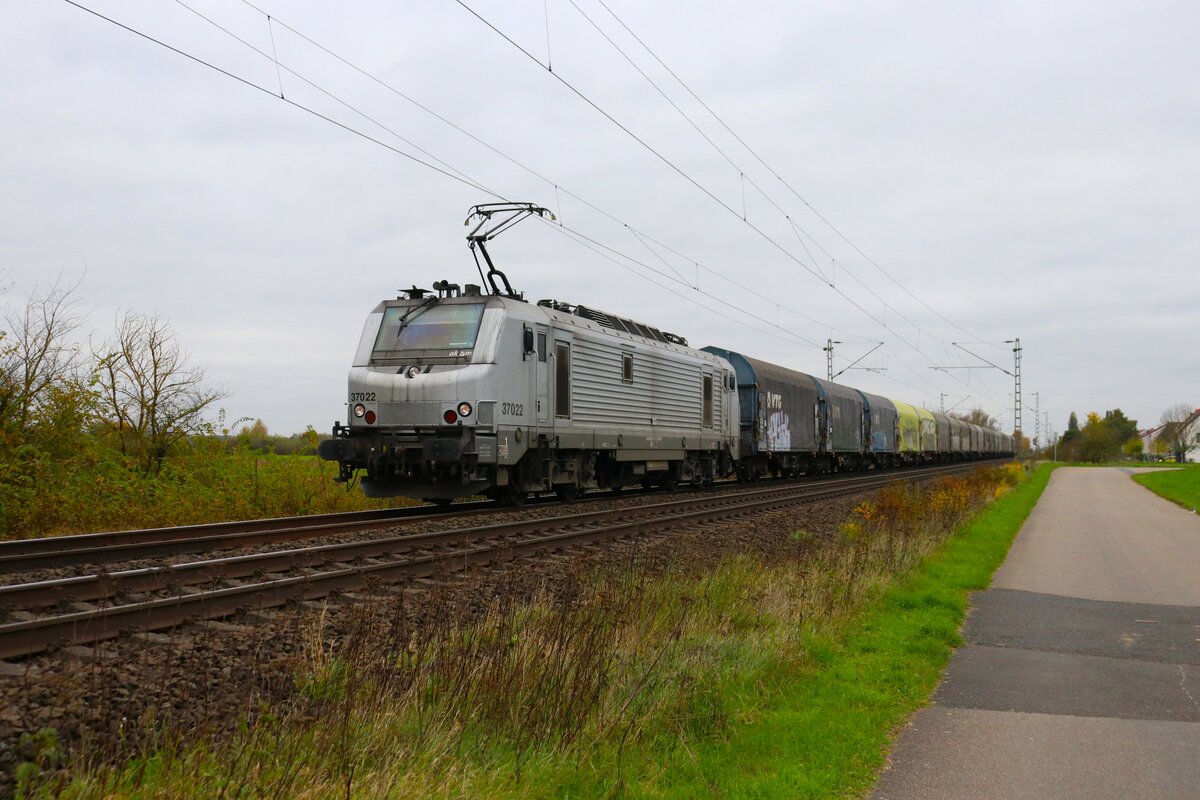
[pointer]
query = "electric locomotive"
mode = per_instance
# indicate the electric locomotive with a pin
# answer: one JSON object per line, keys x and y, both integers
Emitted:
{"x": 457, "y": 392}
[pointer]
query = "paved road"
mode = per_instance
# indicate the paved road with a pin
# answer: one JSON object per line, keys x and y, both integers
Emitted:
{"x": 1081, "y": 673}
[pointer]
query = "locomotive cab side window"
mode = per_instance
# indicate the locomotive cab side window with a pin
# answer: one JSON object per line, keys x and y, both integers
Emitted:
{"x": 627, "y": 367}
{"x": 562, "y": 379}
{"x": 541, "y": 347}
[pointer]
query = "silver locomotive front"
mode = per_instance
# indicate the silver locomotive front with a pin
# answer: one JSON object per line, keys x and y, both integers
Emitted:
{"x": 422, "y": 396}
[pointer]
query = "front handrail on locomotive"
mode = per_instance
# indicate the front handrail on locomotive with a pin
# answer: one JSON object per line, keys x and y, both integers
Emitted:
{"x": 515, "y": 212}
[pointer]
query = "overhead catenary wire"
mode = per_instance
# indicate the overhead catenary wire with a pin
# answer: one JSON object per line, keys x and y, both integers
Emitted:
{"x": 275, "y": 54}
{"x": 776, "y": 174}
{"x": 600, "y": 247}
{"x": 293, "y": 103}
{"x": 494, "y": 193}
{"x": 600, "y": 250}
{"x": 354, "y": 109}
{"x": 457, "y": 177}
{"x": 445, "y": 170}
{"x": 557, "y": 186}
{"x": 743, "y": 178}
{"x": 656, "y": 153}
{"x": 546, "y": 14}
{"x": 571, "y": 87}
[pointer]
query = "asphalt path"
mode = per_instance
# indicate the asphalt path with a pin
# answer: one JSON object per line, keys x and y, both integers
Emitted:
{"x": 1080, "y": 676}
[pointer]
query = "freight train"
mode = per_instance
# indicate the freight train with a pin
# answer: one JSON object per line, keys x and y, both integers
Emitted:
{"x": 464, "y": 391}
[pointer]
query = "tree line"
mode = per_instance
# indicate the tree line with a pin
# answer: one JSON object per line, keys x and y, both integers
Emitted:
{"x": 1114, "y": 436}
{"x": 119, "y": 430}
{"x": 133, "y": 391}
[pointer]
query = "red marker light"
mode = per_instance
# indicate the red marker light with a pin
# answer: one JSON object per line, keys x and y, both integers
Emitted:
{"x": 451, "y": 416}
{"x": 370, "y": 417}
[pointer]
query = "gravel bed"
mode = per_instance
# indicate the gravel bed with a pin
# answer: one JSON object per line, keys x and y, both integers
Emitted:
{"x": 204, "y": 677}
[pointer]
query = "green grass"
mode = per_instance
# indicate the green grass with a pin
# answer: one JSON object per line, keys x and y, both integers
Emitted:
{"x": 826, "y": 731}
{"x": 782, "y": 677}
{"x": 104, "y": 493}
{"x": 1181, "y": 486}
{"x": 1127, "y": 463}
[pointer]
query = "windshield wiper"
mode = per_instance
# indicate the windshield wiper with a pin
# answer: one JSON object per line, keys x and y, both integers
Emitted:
{"x": 413, "y": 313}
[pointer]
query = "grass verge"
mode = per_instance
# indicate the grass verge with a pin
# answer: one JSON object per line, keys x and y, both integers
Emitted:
{"x": 1181, "y": 485}
{"x": 827, "y": 734}
{"x": 766, "y": 676}
{"x": 191, "y": 488}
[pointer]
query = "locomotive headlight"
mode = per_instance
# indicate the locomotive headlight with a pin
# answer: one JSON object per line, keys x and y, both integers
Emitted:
{"x": 464, "y": 409}
{"x": 359, "y": 410}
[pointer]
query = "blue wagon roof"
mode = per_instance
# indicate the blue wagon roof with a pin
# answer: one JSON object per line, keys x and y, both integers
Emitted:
{"x": 750, "y": 370}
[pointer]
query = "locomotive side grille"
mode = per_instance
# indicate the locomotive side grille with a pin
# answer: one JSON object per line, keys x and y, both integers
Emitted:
{"x": 663, "y": 389}
{"x": 486, "y": 412}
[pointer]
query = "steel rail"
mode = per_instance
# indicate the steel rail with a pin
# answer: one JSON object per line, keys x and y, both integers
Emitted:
{"x": 82, "y": 627}
{"x": 28, "y": 555}
{"x": 85, "y": 588}
{"x": 195, "y": 538}
{"x": 49, "y": 552}
{"x": 94, "y": 541}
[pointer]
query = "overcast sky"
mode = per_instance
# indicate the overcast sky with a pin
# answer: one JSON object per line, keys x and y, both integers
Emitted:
{"x": 1021, "y": 170}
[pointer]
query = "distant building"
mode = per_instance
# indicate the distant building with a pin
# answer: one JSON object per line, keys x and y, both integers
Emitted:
{"x": 1148, "y": 436}
{"x": 1192, "y": 434}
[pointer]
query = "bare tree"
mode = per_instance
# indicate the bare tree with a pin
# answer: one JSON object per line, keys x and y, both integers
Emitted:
{"x": 1179, "y": 430}
{"x": 152, "y": 400}
{"x": 37, "y": 358}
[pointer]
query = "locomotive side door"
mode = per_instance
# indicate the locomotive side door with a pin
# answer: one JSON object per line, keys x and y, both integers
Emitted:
{"x": 560, "y": 380}
{"x": 542, "y": 378}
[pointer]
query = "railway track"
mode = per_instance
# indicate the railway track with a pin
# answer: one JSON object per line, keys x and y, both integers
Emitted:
{"x": 53, "y": 552}
{"x": 161, "y": 597}
{"x": 23, "y": 555}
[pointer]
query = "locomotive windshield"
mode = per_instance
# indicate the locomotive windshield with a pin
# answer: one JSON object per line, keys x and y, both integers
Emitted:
{"x": 429, "y": 327}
